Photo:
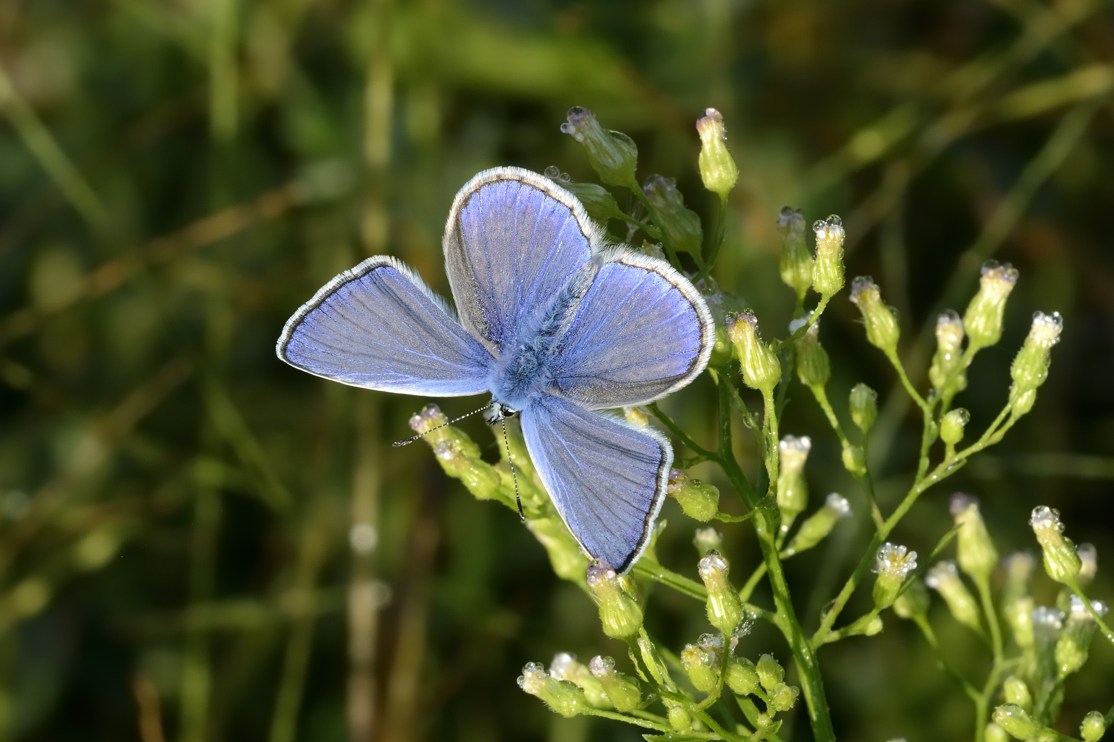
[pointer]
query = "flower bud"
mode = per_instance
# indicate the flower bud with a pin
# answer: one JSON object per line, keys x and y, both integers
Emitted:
{"x": 723, "y": 607}
{"x": 813, "y": 366}
{"x": 854, "y": 459}
{"x": 783, "y": 698}
{"x": 1089, "y": 563}
{"x": 1018, "y": 569}
{"x": 701, "y": 664}
{"x": 864, "y": 407}
{"x": 892, "y": 564}
{"x": 796, "y": 260}
{"x": 565, "y": 667}
{"x": 944, "y": 578}
{"x": 1030, "y": 366}
{"x": 1048, "y": 625}
{"x": 1093, "y": 727}
{"x": 717, "y": 169}
{"x": 1016, "y": 692}
{"x": 1074, "y": 643}
{"x": 792, "y": 492}
{"x": 1019, "y": 616}
{"x": 827, "y": 271}
{"x": 952, "y": 426}
{"x": 597, "y": 200}
{"x": 679, "y": 718}
{"x": 975, "y": 550}
{"x": 818, "y": 525}
{"x": 983, "y": 318}
{"x": 611, "y": 154}
{"x": 619, "y": 613}
{"x": 1061, "y": 560}
{"x": 995, "y": 733}
{"x": 882, "y": 329}
{"x": 707, "y": 540}
{"x": 770, "y": 672}
{"x": 1017, "y": 723}
{"x": 565, "y": 556}
{"x": 680, "y": 226}
{"x": 623, "y": 691}
{"x": 946, "y": 371}
{"x": 759, "y": 364}
{"x": 913, "y": 601}
{"x": 699, "y": 500}
{"x": 742, "y": 677}
{"x": 561, "y": 696}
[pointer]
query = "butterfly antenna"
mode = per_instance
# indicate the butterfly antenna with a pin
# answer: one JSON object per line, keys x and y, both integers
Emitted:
{"x": 419, "y": 436}
{"x": 514, "y": 476}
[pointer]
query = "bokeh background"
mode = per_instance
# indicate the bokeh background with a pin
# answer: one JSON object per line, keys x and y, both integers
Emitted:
{"x": 199, "y": 543}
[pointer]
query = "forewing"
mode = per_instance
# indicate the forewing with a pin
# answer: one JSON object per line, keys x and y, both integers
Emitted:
{"x": 512, "y": 241}
{"x": 378, "y": 326}
{"x": 640, "y": 331}
{"x": 607, "y": 478}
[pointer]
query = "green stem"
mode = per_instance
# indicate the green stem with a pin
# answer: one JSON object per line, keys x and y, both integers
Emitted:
{"x": 983, "y": 587}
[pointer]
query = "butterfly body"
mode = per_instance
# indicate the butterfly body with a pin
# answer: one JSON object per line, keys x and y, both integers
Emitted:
{"x": 552, "y": 323}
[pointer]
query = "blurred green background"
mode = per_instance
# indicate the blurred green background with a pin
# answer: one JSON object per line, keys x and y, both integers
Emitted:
{"x": 199, "y": 543}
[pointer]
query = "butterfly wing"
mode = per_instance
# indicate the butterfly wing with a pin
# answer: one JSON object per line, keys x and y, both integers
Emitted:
{"x": 378, "y": 326}
{"x": 606, "y": 477}
{"x": 512, "y": 240}
{"x": 640, "y": 331}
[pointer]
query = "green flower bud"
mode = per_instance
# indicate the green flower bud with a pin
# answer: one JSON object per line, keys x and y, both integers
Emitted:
{"x": 1048, "y": 625}
{"x": 717, "y": 169}
{"x": 1089, "y": 563}
{"x": 864, "y": 407}
{"x": 770, "y": 672}
{"x": 796, "y": 264}
{"x": 827, "y": 271}
{"x": 1019, "y": 616}
{"x": 1030, "y": 367}
{"x": 742, "y": 677}
{"x": 854, "y": 459}
{"x": 680, "y": 226}
{"x": 565, "y": 667}
{"x": 995, "y": 733}
{"x": 783, "y": 697}
{"x": 882, "y": 329}
{"x": 913, "y": 601}
{"x": 707, "y": 540}
{"x": 619, "y": 613}
{"x": 1016, "y": 692}
{"x": 818, "y": 525}
{"x": 1093, "y": 727}
{"x": 813, "y": 366}
{"x": 983, "y": 318}
{"x": 701, "y": 663}
{"x": 759, "y": 364}
{"x": 1018, "y": 568}
{"x": 611, "y": 154}
{"x": 944, "y": 578}
{"x": 679, "y": 718}
{"x": 892, "y": 565}
{"x": 723, "y": 607}
{"x": 597, "y": 200}
{"x": 1074, "y": 643}
{"x": 561, "y": 696}
{"x": 565, "y": 556}
{"x": 1061, "y": 560}
{"x": 946, "y": 370}
{"x": 953, "y": 424}
{"x": 1017, "y": 723}
{"x": 623, "y": 691}
{"x": 975, "y": 550}
{"x": 792, "y": 492}
{"x": 699, "y": 500}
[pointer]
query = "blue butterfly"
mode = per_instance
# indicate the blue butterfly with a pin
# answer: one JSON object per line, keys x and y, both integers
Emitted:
{"x": 553, "y": 323}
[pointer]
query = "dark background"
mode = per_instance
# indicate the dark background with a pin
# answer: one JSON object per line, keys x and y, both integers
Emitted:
{"x": 177, "y": 177}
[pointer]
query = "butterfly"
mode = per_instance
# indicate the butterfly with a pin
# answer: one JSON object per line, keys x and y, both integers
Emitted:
{"x": 552, "y": 322}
